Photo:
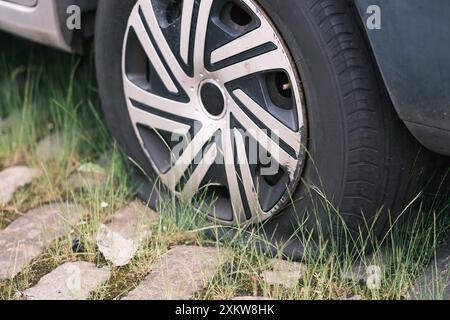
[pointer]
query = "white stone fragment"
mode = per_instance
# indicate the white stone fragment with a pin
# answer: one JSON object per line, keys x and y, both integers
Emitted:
{"x": 120, "y": 240}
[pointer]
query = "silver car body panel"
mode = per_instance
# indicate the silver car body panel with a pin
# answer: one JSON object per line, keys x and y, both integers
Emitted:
{"x": 34, "y": 20}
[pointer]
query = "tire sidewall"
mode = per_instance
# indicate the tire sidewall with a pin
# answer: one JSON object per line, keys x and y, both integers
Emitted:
{"x": 324, "y": 169}
{"x": 111, "y": 27}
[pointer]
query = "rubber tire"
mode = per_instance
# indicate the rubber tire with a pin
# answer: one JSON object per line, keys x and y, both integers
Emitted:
{"x": 361, "y": 155}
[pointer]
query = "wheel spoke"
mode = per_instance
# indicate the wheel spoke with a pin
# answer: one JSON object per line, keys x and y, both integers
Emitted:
{"x": 193, "y": 184}
{"x": 163, "y": 45}
{"x": 232, "y": 179}
{"x": 153, "y": 121}
{"x": 138, "y": 27}
{"x": 185, "y": 33}
{"x": 292, "y": 138}
{"x": 267, "y": 61}
{"x": 261, "y": 136}
{"x": 242, "y": 44}
{"x": 184, "y": 110}
{"x": 200, "y": 35}
{"x": 246, "y": 176}
{"x": 173, "y": 177}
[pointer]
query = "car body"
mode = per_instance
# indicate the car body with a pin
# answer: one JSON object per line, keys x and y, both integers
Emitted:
{"x": 44, "y": 21}
{"x": 411, "y": 51}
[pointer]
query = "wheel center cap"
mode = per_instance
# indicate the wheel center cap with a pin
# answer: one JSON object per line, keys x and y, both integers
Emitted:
{"x": 212, "y": 99}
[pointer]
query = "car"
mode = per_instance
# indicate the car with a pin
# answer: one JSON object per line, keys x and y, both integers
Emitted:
{"x": 287, "y": 115}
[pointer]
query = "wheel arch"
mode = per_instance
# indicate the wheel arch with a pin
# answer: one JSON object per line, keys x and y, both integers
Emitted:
{"x": 410, "y": 51}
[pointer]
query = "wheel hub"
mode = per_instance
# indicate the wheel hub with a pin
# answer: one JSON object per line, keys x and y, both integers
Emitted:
{"x": 216, "y": 75}
{"x": 212, "y": 99}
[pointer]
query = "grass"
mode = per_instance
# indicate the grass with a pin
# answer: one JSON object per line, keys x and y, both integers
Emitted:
{"x": 43, "y": 91}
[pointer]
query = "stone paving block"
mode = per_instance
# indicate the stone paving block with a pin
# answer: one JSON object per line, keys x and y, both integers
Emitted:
{"x": 105, "y": 159}
{"x": 88, "y": 175}
{"x": 119, "y": 240}
{"x": 354, "y": 298}
{"x": 71, "y": 281}
{"x": 28, "y": 236}
{"x": 251, "y": 298}
{"x": 369, "y": 270}
{"x": 435, "y": 283}
{"x": 14, "y": 178}
{"x": 180, "y": 273}
{"x": 51, "y": 147}
{"x": 284, "y": 273}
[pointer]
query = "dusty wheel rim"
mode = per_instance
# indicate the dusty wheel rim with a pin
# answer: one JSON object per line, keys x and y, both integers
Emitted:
{"x": 216, "y": 104}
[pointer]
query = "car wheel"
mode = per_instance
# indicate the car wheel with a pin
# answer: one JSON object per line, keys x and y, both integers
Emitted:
{"x": 272, "y": 110}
